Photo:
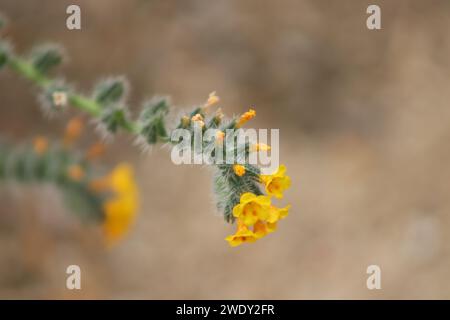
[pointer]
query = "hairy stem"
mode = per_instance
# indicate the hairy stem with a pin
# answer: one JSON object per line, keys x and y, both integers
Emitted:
{"x": 92, "y": 107}
{"x": 28, "y": 71}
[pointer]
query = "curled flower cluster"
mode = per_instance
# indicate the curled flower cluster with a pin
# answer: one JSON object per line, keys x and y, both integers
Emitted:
{"x": 237, "y": 186}
{"x": 256, "y": 215}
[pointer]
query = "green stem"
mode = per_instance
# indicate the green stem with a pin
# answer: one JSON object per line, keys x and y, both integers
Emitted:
{"x": 130, "y": 126}
{"x": 85, "y": 104}
{"x": 27, "y": 70}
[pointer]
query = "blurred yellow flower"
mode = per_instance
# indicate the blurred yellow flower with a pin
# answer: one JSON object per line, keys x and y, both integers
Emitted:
{"x": 120, "y": 209}
{"x": 276, "y": 183}
{"x": 252, "y": 208}
{"x": 243, "y": 234}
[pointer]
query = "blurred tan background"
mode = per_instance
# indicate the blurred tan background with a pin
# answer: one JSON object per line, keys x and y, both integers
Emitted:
{"x": 364, "y": 124}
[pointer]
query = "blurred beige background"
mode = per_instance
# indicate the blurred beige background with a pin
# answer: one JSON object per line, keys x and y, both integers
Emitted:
{"x": 364, "y": 123}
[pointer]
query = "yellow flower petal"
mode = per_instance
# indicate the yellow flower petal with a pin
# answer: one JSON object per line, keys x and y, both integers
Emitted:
{"x": 247, "y": 197}
{"x": 237, "y": 210}
{"x": 281, "y": 170}
{"x": 246, "y": 116}
{"x": 284, "y": 211}
{"x": 243, "y": 234}
{"x": 276, "y": 183}
{"x": 233, "y": 241}
{"x": 263, "y": 200}
{"x": 261, "y": 229}
{"x": 252, "y": 208}
{"x": 276, "y": 214}
{"x": 120, "y": 209}
{"x": 271, "y": 227}
{"x": 249, "y": 219}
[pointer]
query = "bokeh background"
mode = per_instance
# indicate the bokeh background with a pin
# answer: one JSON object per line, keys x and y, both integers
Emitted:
{"x": 364, "y": 125}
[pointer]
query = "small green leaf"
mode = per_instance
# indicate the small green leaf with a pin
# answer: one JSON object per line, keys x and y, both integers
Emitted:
{"x": 110, "y": 91}
{"x": 152, "y": 120}
{"x": 45, "y": 57}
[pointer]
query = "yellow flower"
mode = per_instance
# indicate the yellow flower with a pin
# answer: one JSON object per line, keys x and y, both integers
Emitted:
{"x": 276, "y": 214}
{"x": 276, "y": 183}
{"x": 252, "y": 208}
{"x": 120, "y": 210}
{"x": 250, "y": 114}
{"x": 239, "y": 170}
{"x": 243, "y": 234}
{"x": 261, "y": 229}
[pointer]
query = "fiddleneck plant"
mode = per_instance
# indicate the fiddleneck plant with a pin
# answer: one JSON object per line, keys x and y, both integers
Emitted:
{"x": 237, "y": 186}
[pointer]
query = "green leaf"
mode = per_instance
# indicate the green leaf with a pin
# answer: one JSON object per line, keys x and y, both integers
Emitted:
{"x": 45, "y": 57}
{"x": 110, "y": 91}
{"x": 152, "y": 120}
